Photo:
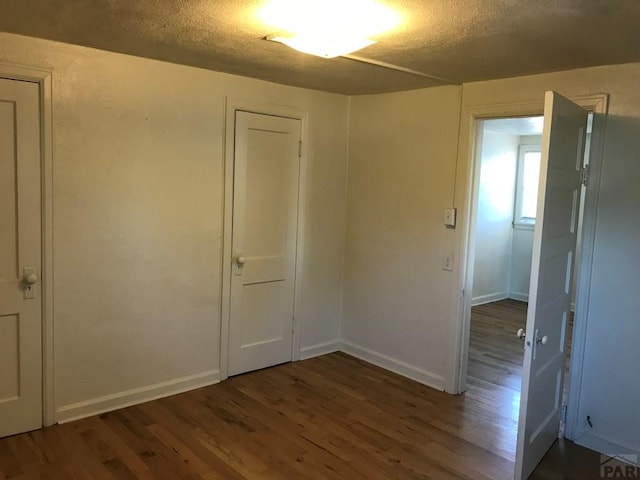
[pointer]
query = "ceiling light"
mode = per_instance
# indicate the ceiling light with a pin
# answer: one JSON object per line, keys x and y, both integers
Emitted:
{"x": 322, "y": 46}
{"x": 327, "y": 28}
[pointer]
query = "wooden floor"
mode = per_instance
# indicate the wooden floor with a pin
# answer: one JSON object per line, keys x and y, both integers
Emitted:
{"x": 331, "y": 417}
{"x": 496, "y": 354}
{"x": 494, "y": 372}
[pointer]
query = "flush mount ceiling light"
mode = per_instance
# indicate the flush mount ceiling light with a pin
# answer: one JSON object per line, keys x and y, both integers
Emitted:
{"x": 327, "y": 28}
{"x": 326, "y": 47}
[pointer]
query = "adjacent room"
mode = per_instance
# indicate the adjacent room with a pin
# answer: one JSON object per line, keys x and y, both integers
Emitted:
{"x": 505, "y": 193}
{"x": 297, "y": 239}
{"x": 506, "y": 182}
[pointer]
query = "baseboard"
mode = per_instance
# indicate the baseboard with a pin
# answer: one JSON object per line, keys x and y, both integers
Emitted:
{"x": 521, "y": 297}
{"x": 492, "y": 297}
{"x": 319, "y": 349}
{"x": 605, "y": 447}
{"x": 425, "y": 377}
{"x": 128, "y": 398}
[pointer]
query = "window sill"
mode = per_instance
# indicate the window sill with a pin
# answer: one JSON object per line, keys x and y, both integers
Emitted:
{"x": 524, "y": 226}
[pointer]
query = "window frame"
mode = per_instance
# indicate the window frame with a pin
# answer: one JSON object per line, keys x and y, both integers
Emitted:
{"x": 519, "y": 222}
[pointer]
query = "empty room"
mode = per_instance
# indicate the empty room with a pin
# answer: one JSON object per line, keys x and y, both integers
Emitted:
{"x": 280, "y": 239}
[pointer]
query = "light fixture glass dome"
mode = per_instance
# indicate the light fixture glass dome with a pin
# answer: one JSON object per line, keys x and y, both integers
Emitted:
{"x": 322, "y": 46}
{"x": 327, "y": 28}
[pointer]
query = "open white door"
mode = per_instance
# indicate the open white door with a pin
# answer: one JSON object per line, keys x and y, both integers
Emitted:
{"x": 265, "y": 213}
{"x": 20, "y": 258}
{"x": 554, "y": 245}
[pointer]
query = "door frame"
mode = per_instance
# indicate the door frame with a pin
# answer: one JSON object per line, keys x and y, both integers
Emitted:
{"x": 44, "y": 79}
{"x": 465, "y": 241}
{"x": 231, "y": 107}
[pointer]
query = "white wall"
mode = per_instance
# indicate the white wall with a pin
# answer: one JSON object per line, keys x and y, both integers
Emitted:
{"x": 521, "y": 253}
{"x": 401, "y": 173}
{"x": 138, "y": 189}
{"x": 494, "y": 229}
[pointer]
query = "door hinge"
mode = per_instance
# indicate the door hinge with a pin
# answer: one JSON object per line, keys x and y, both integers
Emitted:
{"x": 585, "y": 175}
{"x": 300, "y": 148}
{"x": 563, "y": 416}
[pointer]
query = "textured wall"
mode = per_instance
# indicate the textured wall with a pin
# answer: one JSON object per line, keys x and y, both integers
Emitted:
{"x": 138, "y": 189}
{"x": 401, "y": 176}
{"x": 494, "y": 229}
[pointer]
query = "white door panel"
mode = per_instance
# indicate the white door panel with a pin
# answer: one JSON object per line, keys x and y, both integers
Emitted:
{"x": 20, "y": 238}
{"x": 551, "y": 279}
{"x": 265, "y": 211}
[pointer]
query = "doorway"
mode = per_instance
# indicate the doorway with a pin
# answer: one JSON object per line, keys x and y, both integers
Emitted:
{"x": 263, "y": 255}
{"x": 21, "y": 299}
{"x": 265, "y": 210}
{"x": 505, "y": 186}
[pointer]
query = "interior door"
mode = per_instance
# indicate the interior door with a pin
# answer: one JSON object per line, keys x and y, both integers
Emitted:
{"x": 20, "y": 254}
{"x": 554, "y": 248}
{"x": 265, "y": 212}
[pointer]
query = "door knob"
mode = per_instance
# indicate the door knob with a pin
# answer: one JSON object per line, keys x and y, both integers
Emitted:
{"x": 29, "y": 276}
{"x": 521, "y": 334}
{"x": 542, "y": 340}
{"x": 240, "y": 260}
{"x": 31, "y": 279}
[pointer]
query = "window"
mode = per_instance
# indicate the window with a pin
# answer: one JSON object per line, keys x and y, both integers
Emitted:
{"x": 529, "y": 158}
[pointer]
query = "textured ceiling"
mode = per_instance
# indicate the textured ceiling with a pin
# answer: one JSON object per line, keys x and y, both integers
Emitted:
{"x": 459, "y": 40}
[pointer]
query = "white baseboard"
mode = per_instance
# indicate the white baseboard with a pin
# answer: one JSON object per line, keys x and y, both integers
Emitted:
{"x": 492, "y": 297}
{"x": 319, "y": 349}
{"x": 108, "y": 403}
{"x": 128, "y": 398}
{"x": 522, "y": 297}
{"x": 603, "y": 446}
{"x": 425, "y": 377}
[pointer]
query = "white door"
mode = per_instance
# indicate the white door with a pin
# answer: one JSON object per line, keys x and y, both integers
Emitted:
{"x": 20, "y": 299}
{"x": 265, "y": 212}
{"x": 554, "y": 248}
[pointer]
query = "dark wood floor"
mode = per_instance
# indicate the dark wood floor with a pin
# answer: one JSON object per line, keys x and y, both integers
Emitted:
{"x": 331, "y": 417}
{"x": 495, "y": 373}
{"x": 495, "y": 366}
{"x": 495, "y": 353}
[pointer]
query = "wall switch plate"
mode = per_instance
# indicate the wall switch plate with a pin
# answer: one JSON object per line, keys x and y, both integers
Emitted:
{"x": 450, "y": 217}
{"x": 447, "y": 262}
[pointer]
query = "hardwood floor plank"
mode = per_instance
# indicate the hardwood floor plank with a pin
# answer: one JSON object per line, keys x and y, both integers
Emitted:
{"x": 332, "y": 417}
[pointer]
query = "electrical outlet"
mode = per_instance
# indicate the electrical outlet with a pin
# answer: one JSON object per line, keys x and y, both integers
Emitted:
{"x": 450, "y": 217}
{"x": 447, "y": 262}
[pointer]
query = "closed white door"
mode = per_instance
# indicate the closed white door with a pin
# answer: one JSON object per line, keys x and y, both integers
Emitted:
{"x": 554, "y": 247}
{"x": 20, "y": 259}
{"x": 265, "y": 212}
